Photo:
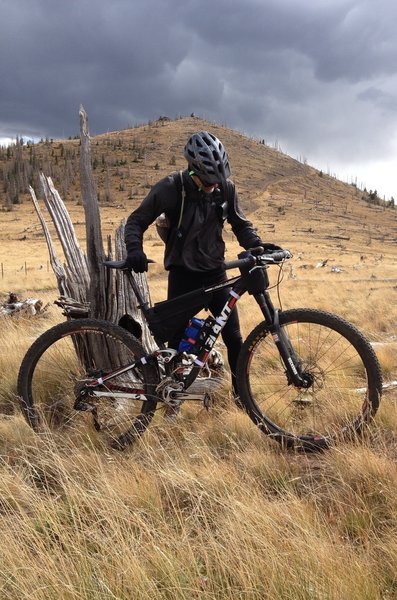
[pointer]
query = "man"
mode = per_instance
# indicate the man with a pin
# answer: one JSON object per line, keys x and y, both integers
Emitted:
{"x": 196, "y": 203}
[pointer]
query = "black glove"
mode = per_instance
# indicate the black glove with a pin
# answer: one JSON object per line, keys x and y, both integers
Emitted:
{"x": 269, "y": 248}
{"x": 136, "y": 260}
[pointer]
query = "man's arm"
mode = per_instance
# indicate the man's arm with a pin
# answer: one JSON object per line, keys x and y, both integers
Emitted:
{"x": 161, "y": 198}
{"x": 241, "y": 226}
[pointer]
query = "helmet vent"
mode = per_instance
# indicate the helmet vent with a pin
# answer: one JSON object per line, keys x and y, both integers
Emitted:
{"x": 208, "y": 156}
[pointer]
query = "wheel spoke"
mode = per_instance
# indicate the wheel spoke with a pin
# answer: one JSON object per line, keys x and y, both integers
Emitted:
{"x": 341, "y": 365}
{"x": 59, "y": 372}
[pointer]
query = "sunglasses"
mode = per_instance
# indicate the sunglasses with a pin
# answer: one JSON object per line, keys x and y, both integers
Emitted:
{"x": 208, "y": 184}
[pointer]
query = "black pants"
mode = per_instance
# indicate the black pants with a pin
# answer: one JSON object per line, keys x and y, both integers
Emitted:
{"x": 182, "y": 281}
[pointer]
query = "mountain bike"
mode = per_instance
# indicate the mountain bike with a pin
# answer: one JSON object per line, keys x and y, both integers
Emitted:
{"x": 306, "y": 377}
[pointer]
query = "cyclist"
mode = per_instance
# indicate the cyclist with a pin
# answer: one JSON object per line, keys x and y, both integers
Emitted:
{"x": 196, "y": 202}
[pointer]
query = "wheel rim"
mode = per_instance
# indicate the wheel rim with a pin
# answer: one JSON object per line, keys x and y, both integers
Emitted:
{"x": 62, "y": 372}
{"x": 334, "y": 404}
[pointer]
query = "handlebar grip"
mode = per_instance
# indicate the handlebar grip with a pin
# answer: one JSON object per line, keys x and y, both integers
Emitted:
{"x": 248, "y": 261}
{"x": 120, "y": 264}
{"x": 280, "y": 255}
{"x": 114, "y": 264}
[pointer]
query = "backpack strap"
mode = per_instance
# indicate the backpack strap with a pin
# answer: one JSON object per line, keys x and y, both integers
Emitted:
{"x": 163, "y": 223}
{"x": 183, "y": 196}
{"x": 224, "y": 207}
{"x": 227, "y": 189}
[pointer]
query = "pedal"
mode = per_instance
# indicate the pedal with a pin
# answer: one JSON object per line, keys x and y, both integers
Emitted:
{"x": 184, "y": 396}
{"x": 88, "y": 407}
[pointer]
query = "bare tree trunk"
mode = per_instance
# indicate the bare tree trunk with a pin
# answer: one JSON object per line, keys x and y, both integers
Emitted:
{"x": 86, "y": 286}
{"x": 95, "y": 252}
{"x": 73, "y": 277}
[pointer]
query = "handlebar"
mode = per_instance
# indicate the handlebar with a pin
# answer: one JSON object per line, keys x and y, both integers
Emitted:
{"x": 264, "y": 259}
{"x": 246, "y": 259}
{"x": 120, "y": 264}
{"x": 115, "y": 264}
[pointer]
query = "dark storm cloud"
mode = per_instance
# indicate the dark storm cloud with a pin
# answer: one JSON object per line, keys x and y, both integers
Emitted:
{"x": 319, "y": 77}
{"x": 299, "y": 71}
{"x": 112, "y": 56}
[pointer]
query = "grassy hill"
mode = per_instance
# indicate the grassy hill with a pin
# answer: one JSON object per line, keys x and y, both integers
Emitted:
{"x": 207, "y": 508}
{"x": 127, "y": 162}
{"x": 288, "y": 201}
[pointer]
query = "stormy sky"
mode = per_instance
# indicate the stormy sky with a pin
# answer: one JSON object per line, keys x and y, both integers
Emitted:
{"x": 318, "y": 78}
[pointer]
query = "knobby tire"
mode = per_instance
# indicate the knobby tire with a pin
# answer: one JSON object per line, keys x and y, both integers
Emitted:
{"x": 346, "y": 388}
{"x": 67, "y": 354}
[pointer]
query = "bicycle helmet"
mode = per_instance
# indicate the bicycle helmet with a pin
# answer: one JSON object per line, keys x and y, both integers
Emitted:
{"x": 207, "y": 157}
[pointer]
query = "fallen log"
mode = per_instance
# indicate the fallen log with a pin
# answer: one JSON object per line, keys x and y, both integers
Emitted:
{"x": 15, "y": 307}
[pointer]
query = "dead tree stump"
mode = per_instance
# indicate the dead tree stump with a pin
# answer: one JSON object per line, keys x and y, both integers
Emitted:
{"x": 87, "y": 288}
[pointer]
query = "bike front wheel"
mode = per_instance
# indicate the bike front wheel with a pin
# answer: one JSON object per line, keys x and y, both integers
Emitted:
{"x": 55, "y": 375}
{"x": 343, "y": 370}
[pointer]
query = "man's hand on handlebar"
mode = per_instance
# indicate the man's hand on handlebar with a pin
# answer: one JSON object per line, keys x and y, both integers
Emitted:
{"x": 269, "y": 248}
{"x": 276, "y": 253}
{"x": 136, "y": 260}
{"x": 264, "y": 248}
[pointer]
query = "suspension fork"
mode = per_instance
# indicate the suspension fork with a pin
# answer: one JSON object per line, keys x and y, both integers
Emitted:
{"x": 291, "y": 361}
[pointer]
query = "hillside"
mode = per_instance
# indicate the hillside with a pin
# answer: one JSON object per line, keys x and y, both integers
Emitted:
{"x": 127, "y": 162}
{"x": 288, "y": 201}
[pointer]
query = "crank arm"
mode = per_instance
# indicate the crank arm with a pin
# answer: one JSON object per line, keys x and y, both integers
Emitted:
{"x": 185, "y": 396}
{"x": 126, "y": 395}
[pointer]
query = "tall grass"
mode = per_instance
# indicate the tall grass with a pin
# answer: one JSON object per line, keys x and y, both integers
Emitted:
{"x": 210, "y": 512}
{"x": 205, "y": 508}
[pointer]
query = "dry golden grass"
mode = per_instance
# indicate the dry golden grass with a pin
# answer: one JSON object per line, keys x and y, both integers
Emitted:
{"x": 210, "y": 512}
{"x": 206, "y": 508}
{"x": 209, "y": 507}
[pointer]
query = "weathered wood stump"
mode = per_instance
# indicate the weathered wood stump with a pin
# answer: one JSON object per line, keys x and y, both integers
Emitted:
{"x": 86, "y": 287}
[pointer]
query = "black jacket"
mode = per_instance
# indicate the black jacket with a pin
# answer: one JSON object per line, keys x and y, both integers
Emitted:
{"x": 198, "y": 245}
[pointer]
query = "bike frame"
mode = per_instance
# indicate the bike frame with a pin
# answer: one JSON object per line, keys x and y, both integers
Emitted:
{"x": 249, "y": 280}
{"x": 271, "y": 317}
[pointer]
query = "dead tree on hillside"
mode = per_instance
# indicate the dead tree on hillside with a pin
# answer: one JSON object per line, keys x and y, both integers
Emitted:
{"x": 87, "y": 288}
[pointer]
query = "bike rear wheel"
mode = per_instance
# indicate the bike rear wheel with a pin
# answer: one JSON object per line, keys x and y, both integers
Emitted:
{"x": 62, "y": 360}
{"x": 345, "y": 373}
